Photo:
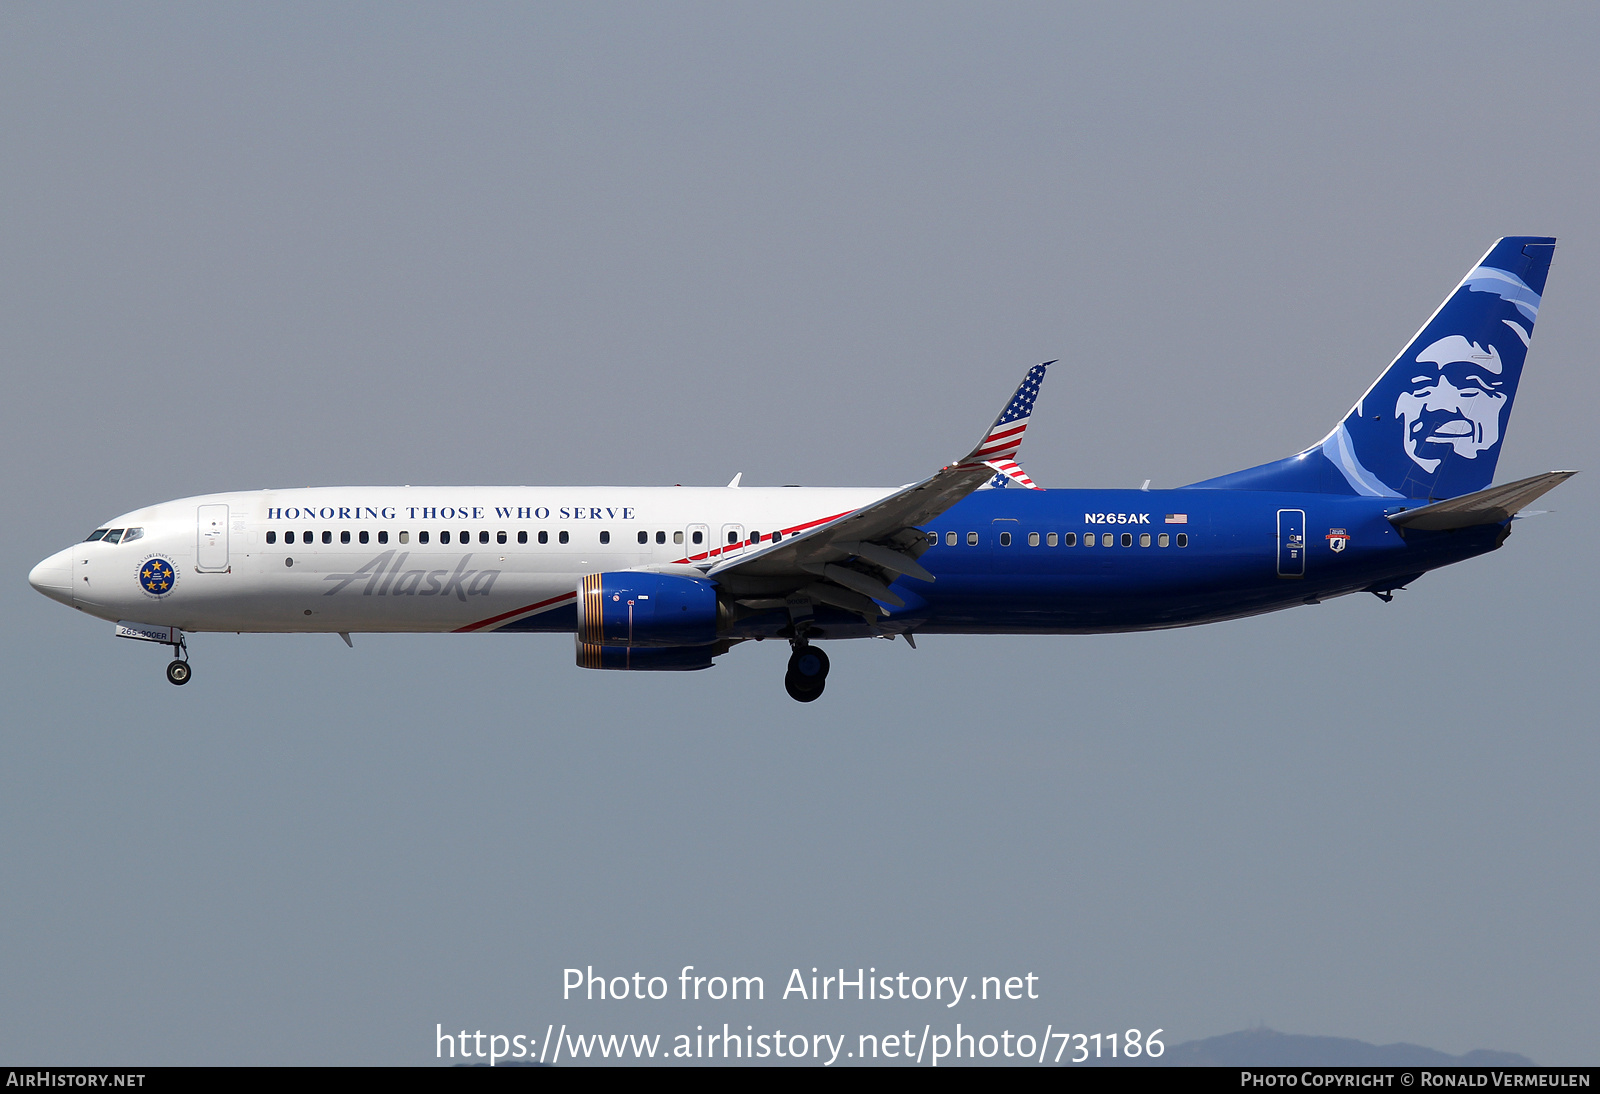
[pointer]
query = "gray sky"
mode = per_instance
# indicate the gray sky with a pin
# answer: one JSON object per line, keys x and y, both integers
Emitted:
{"x": 299, "y": 245}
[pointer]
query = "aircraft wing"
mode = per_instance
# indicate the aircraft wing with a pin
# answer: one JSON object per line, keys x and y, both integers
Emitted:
{"x": 1489, "y": 506}
{"x": 850, "y": 561}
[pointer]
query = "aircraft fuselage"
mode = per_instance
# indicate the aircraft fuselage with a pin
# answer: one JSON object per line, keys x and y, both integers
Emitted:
{"x": 511, "y": 559}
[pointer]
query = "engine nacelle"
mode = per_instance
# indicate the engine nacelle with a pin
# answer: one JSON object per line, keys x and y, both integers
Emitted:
{"x": 648, "y": 658}
{"x": 634, "y": 609}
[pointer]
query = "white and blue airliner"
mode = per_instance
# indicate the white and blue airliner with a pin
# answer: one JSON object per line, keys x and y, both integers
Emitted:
{"x": 672, "y": 578}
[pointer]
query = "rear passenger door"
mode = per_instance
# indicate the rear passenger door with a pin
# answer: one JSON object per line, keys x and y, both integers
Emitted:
{"x": 1291, "y": 543}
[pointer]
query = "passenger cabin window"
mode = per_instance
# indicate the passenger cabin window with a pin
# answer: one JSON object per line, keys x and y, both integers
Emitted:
{"x": 405, "y": 537}
{"x": 500, "y": 537}
{"x": 522, "y": 537}
{"x": 97, "y": 534}
{"x": 562, "y": 537}
{"x": 422, "y": 537}
{"x": 1033, "y": 539}
{"x": 733, "y": 537}
{"x": 661, "y": 537}
{"x": 1127, "y": 539}
{"x": 933, "y": 539}
{"x": 307, "y": 537}
{"x": 483, "y": 537}
{"x": 327, "y": 537}
{"x": 383, "y": 537}
{"x": 114, "y": 535}
{"x": 644, "y": 537}
{"x": 697, "y": 537}
{"x": 1005, "y": 539}
{"x": 288, "y": 537}
{"x": 544, "y": 537}
{"x": 364, "y": 536}
{"x": 605, "y": 537}
{"x": 777, "y": 537}
{"x": 344, "y": 537}
{"x": 1071, "y": 539}
{"x": 444, "y": 537}
{"x": 972, "y": 539}
{"x": 1107, "y": 539}
{"x": 272, "y": 537}
{"x": 1183, "y": 539}
{"x": 466, "y": 537}
{"x": 950, "y": 539}
{"x": 1163, "y": 539}
{"x": 677, "y": 537}
{"x": 755, "y": 538}
{"x": 1144, "y": 539}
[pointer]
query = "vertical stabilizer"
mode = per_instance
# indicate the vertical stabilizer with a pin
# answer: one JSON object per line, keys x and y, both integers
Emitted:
{"x": 1431, "y": 426}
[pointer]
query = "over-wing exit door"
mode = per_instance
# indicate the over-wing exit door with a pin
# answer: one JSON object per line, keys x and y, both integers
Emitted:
{"x": 1291, "y": 543}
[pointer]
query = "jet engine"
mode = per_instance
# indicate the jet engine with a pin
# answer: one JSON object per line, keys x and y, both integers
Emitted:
{"x": 649, "y": 658}
{"x": 633, "y": 609}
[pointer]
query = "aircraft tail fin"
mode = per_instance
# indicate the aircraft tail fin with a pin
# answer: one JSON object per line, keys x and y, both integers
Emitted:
{"x": 1432, "y": 424}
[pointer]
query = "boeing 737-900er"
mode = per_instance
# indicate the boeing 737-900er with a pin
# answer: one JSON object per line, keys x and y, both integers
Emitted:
{"x": 671, "y": 578}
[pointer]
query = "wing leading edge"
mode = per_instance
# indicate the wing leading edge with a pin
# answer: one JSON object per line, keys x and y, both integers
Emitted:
{"x": 849, "y": 562}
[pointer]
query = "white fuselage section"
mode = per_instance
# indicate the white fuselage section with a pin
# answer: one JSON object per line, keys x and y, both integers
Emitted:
{"x": 411, "y": 558}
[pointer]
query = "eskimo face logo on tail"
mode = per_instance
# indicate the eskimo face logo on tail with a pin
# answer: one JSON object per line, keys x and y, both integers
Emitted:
{"x": 1453, "y": 402}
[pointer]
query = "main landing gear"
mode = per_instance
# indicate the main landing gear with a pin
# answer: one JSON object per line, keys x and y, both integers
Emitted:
{"x": 808, "y": 672}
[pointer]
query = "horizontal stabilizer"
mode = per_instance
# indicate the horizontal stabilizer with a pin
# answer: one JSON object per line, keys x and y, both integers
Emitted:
{"x": 1491, "y": 506}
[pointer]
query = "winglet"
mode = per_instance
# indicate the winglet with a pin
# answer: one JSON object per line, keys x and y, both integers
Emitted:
{"x": 1008, "y": 469}
{"x": 998, "y": 449}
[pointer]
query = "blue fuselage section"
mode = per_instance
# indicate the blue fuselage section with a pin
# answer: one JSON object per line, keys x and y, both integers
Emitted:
{"x": 1021, "y": 561}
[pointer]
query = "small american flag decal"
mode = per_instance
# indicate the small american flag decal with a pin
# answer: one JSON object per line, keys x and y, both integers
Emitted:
{"x": 1177, "y": 518}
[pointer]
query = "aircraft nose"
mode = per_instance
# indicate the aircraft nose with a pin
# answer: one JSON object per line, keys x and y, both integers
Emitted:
{"x": 53, "y": 576}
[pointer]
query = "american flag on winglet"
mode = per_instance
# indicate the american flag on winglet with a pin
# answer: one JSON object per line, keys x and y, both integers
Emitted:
{"x": 1005, "y": 436}
{"x": 1006, "y": 470}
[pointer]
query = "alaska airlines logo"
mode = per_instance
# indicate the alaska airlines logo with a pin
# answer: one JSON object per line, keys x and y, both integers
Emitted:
{"x": 1116, "y": 518}
{"x": 1454, "y": 406}
{"x": 1433, "y": 423}
{"x": 157, "y": 576}
{"x": 387, "y": 575}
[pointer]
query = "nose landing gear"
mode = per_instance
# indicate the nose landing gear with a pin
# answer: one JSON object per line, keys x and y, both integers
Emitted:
{"x": 808, "y": 672}
{"x": 178, "y": 670}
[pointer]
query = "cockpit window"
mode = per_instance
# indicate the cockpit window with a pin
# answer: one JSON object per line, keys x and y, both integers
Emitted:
{"x": 114, "y": 535}
{"x": 132, "y": 534}
{"x": 98, "y": 533}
